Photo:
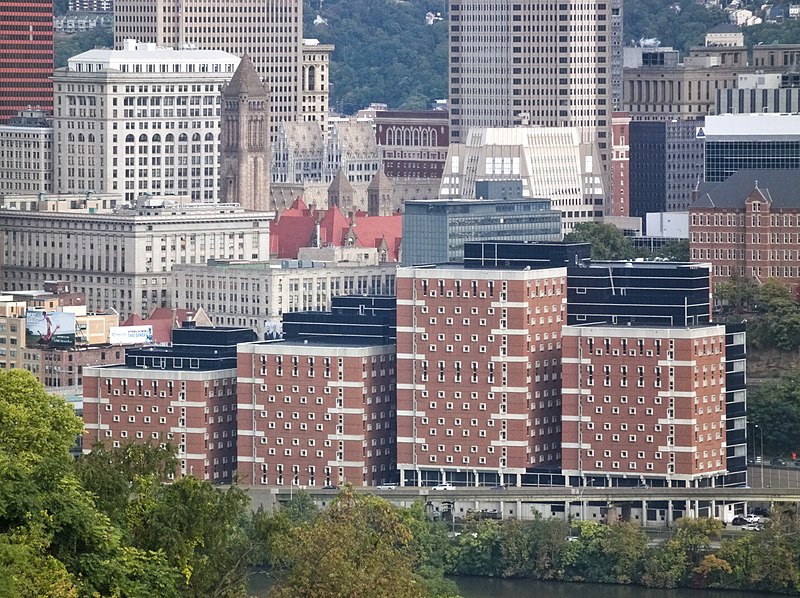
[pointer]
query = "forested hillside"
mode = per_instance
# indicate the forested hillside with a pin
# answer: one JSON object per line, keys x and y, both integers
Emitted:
{"x": 384, "y": 51}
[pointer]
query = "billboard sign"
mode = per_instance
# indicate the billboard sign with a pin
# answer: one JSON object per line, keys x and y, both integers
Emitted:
{"x": 131, "y": 335}
{"x": 49, "y": 328}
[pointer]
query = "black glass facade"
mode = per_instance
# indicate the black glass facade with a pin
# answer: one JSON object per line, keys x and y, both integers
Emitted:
{"x": 724, "y": 158}
{"x": 359, "y": 319}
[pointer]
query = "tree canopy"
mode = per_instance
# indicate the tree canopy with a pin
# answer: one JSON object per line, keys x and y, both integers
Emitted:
{"x": 608, "y": 242}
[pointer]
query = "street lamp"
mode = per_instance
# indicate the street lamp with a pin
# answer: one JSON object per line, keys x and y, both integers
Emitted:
{"x": 761, "y": 434}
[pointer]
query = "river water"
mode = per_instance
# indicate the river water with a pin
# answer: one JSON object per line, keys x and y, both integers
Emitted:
{"x": 483, "y": 587}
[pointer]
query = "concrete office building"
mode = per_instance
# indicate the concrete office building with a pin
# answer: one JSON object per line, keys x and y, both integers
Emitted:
{"x": 478, "y": 372}
{"x": 761, "y": 92}
{"x": 316, "y": 82}
{"x": 270, "y": 32}
{"x": 184, "y": 394}
{"x": 735, "y": 142}
{"x": 122, "y": 257}
{"x": 26, "y": 153}
{"x": 559, "y": 163}
{"x": 258, "y": 294}
{"x": 434, "y": 232}
{"x": 525, "y": 63}
{"x": 142, "y": 119}
{"x": 319, "y": 407}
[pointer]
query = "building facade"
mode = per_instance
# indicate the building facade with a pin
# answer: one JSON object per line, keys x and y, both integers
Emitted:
{"x": 26, "y": 153}
{"x": 478, "y": 373}
{"x": 26, "y": 57}
{"x": 750, "y": 141}
{"x": 644, "y": 404}
{"x": 122, "y": 258}
{"x": 184, "y": 395}
{"x": 434, "y": 232}
{"x": 139, "y": 120}
{"x": 413, "y": 144}
{"x": 258, "y": 294}
{"x": 747, "y": 226}
{"x": 525, "y": 63}
{"x": 319, "y": 408}
{"x": 270, "y": 33}
{"x": 558, "y": 163}
{"x": 316, "y": 82}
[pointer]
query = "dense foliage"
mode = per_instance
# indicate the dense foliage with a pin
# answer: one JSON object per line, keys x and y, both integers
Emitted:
{"x": 775, "y": 407}
{"x": 609, "y": 243}
{"x": 106, "y": 525}
{"x": 384, "y": 51}
{"x": 67, "y": 46}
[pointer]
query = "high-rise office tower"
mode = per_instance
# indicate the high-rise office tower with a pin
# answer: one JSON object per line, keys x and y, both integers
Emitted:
{"x": 526, "y": 62}
{"x": 269, "y": 31}
{"x": 26, "y": 56}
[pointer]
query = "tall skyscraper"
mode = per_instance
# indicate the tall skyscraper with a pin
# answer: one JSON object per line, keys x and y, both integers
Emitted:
{"x": 518, "y": 62}
{"x": 26, "y": 56}
{"x": 269, "y": 31}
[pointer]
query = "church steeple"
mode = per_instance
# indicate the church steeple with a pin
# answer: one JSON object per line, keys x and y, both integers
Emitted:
{"x": 244, "y": 134}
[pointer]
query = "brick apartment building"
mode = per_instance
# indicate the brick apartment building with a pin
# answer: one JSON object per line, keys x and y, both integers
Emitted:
{"x": 184, "y": 395}
{"x": 644, "y": 403}
{"x": 747, "y": 226}
{"x": 478, "y": 372}
{"x": 319, "y": 407}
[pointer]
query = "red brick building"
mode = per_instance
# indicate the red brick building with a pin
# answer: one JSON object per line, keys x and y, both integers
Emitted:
{"x": 413, "y": 143}
{"x": 620, "y": 165}
{"x": 478, "y": 373}
{"x": 26, "y": 56}
{"x": 313, "y": 414}
{"x": 748, "y": 226}
{"x": 184, "y": 395}
{"x": 643, "y": 403}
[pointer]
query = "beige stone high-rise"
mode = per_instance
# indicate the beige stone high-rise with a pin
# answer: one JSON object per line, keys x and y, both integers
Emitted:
{"x": 244, "y": 140}
{"x": 530, "y": 62}
{"x": 269, "y": 31}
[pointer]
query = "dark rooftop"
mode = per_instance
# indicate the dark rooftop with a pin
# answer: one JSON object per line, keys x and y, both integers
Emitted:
{"x": 781, "y": 188}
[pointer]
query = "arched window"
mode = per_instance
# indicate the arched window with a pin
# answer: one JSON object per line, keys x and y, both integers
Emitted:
{"x": 142, "y": 138}
{"x": 416, "y": 136}
{"x": 81, "y": 137}
{"x": 170, "y": 138}
{"x": 209, "y": 137}
{"x": 196, "y": 137}
{"x": 406, "y": 137}
{"x": 390, "y": 137}
{"x": 426, "y": 137}
{"x": 129, "y": 139}
{"x": 433, "y": 137}
{"x": 156, "y": 138}
{"x": 71, "y": 137}
{"x": 90, "y": 138}
{"x": 183, "y": 138}
{"x": 312, "y": 78}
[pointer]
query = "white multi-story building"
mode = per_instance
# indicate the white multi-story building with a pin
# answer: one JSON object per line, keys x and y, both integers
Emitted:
{"x": 559, "y": 163}
{"x": 256, "y": 294}
{"x": 316, "y": 81}
{"x": 122, "y": 257}
{"x": 26, "y": 154}
{"x": 269, "y": 31}
{"x": 140, "y": 120}
{"x": 518, "y": 62}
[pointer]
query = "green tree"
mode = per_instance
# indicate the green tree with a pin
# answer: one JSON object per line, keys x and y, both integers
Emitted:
{"x": 693, "y": 536}
{"x": 201, "y": 531}
{"x": 665, "y": 566}
{"x": 775, "y": 407}
{"x": 358, "y": 547}
{"x": 608, "y": 242}
{"x": 112, "y": 475}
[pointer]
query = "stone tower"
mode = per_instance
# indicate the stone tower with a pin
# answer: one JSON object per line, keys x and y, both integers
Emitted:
{"x": 340, "y": 192}
{"x": 380, "y": 195}
{"x": 245, "y": 149}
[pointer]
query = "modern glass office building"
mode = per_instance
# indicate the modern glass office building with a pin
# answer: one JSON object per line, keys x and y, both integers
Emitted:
{"x": 434, "y": 232}
{"x": 750, "y": 141}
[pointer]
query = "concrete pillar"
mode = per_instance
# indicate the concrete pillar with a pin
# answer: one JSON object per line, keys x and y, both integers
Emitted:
{"x": 644, "y": 512}
{"x": 519, "y": 510}
{"x": 670, "y": 513}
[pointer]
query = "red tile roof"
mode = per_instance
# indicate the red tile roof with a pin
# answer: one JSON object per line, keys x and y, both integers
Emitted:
{"x": 295, "y": 228}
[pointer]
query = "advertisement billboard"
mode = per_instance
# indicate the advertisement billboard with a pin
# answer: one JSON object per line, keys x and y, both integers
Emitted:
{"x": 49, "y": 328}
{"x": 130, "y": 335}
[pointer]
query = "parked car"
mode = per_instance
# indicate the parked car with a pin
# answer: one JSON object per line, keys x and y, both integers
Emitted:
{"x": 752, "y": 527}
{"x": 499, "y": 487}
{"x": 330, "y": 487}
{"x": 778, "y": 461}
{"x": 740, "y": 521}
{"x": 386, "y": 487}
{"x": 443, "y": 487}
{"x": 752, "y": 518}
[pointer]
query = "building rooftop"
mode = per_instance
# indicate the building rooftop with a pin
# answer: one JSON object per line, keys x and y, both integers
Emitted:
{"x": 758, "y": 125}
{"x": 143, "y": 54}
{"x": 778, "y": 187}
